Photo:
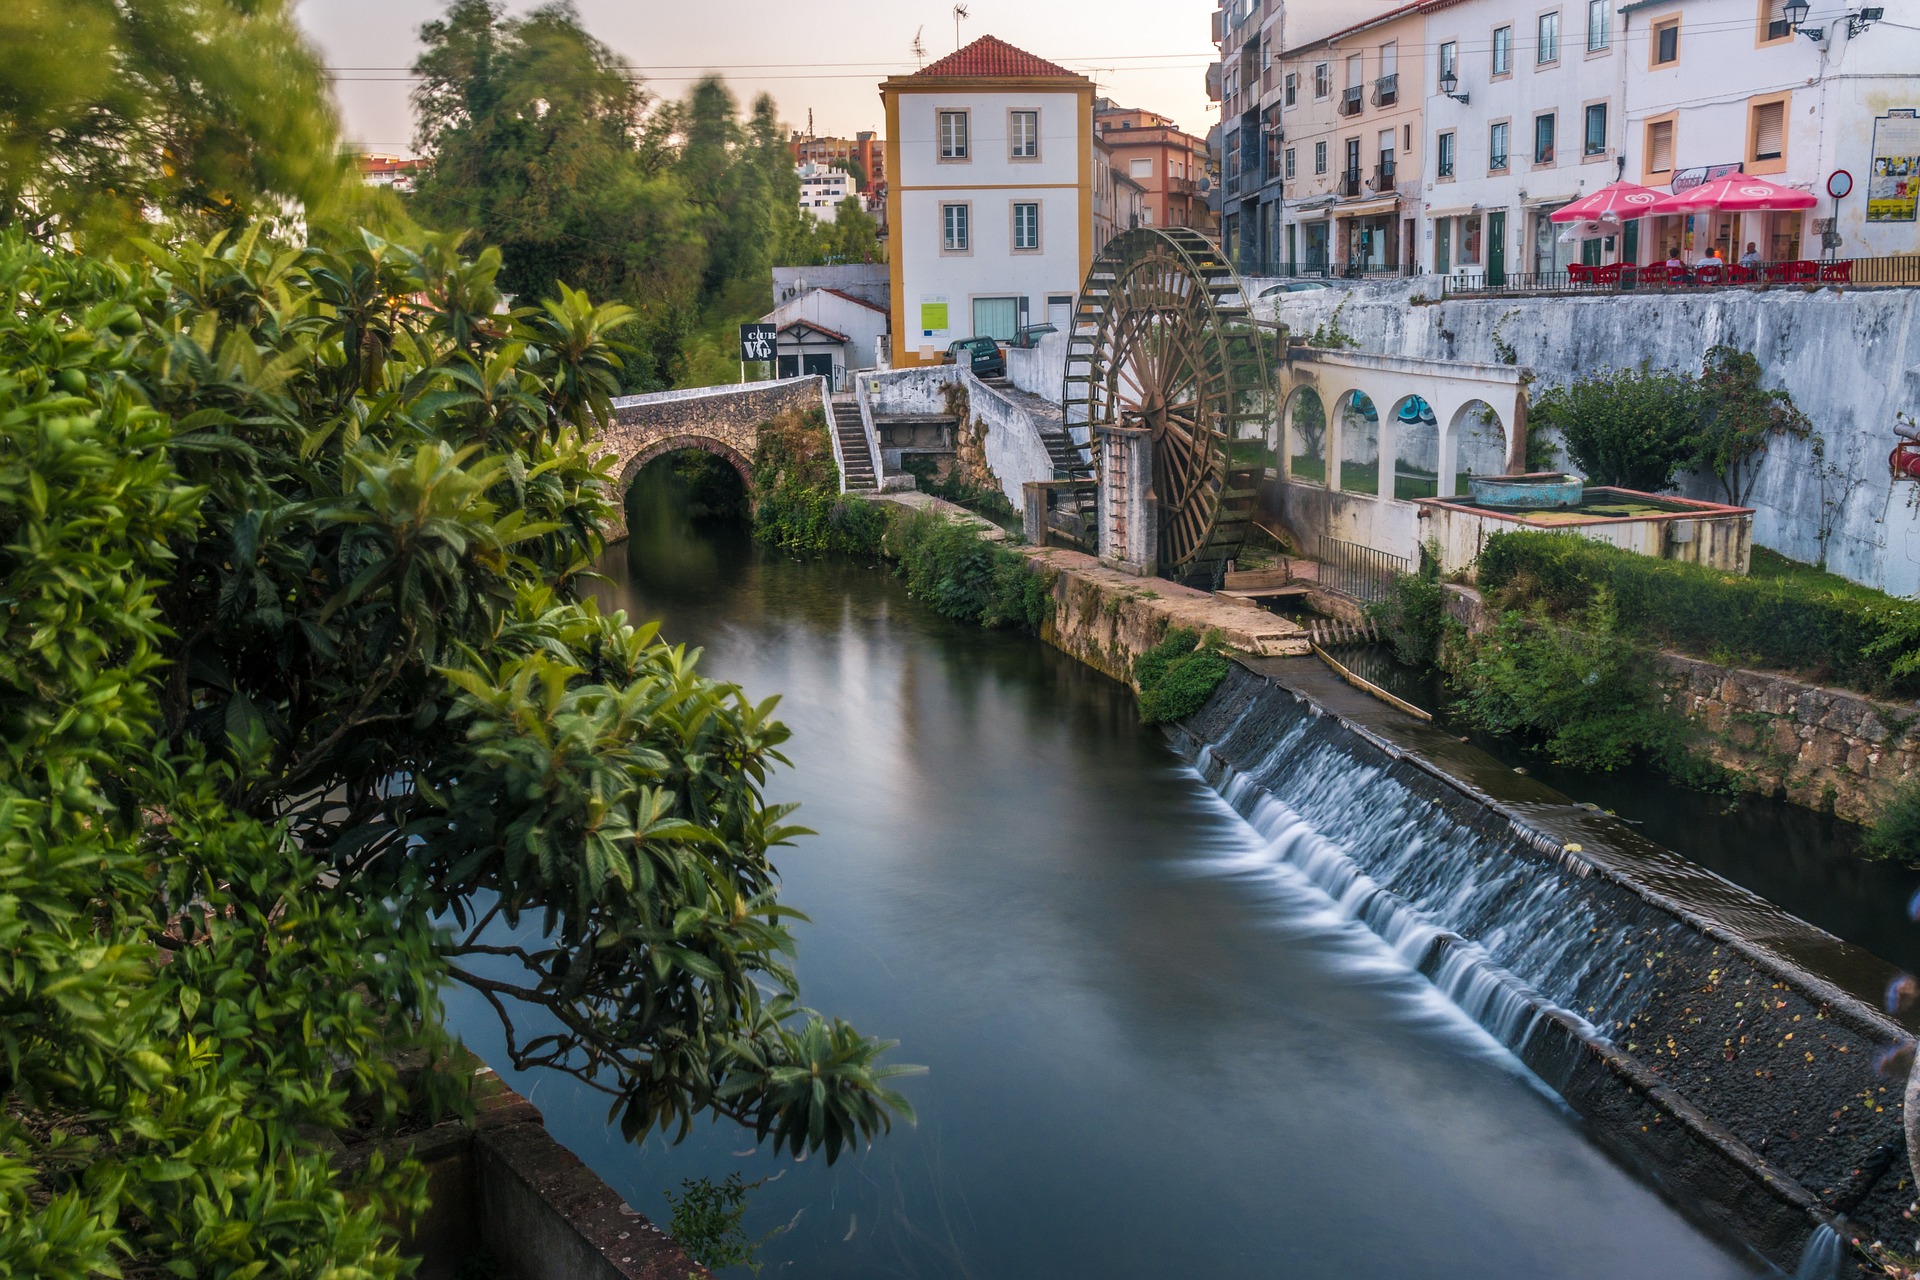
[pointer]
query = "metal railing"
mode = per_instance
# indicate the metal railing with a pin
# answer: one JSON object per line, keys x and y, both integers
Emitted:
{"x": 1364, "y": 573}
{"x": 1382, "y": 178}
{"x": 1350, "y": 183}
{"x": 1901, "y": 269}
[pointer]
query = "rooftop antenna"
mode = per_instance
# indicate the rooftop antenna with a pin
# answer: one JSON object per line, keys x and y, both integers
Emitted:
{"x": 959, "y": 12}
{"x": 919, "y": 46}
{"x": 810, "y": 122}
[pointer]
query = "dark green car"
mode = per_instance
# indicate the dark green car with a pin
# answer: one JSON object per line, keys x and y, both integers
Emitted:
{"x": 982, "y": 355}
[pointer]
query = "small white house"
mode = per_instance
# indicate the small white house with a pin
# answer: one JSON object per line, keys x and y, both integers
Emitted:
{"x": 991, "y": 201}
{"x": 828, "y": 333}
{"x": 822, "y": 189}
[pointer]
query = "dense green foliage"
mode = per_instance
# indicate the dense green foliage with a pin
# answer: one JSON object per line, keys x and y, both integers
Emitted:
{"x": 1635, "y": 428}
{"x": 1177, "y": 676}
{"x": 1413, "y": 616}
{"x": 1738, "y": 420}
{"x": 988, "y": 500}
{"x": 963, "y": 576}
{"x": 709, "y": 1222}
{"x": 542, "y": 140}
{"x": 1582, "y": 692}
{"x": 209, "y": 111}
{"x": 1627, "y": 428}
{"x": 300, "y": 692}
{"x": 1896, "y": 833}
{"x": 799, "y": 506}
{"x": 1813, "y": 624}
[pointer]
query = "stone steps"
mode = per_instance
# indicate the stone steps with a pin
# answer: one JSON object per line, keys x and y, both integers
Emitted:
{"x": 856, "y": 458}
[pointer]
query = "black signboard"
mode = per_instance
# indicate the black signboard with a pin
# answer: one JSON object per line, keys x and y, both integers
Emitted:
{"x": 758, "y": 341}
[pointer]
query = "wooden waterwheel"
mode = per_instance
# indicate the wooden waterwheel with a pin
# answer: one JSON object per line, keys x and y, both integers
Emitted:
{"x": 1163, "y": 340}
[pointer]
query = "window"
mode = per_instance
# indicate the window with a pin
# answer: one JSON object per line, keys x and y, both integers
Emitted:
{"x": 1140, "y": 167}
{"x": 1548, "y": 50}
{"x": 1599, "y": 26}
{"x": 1450, "y": 59}
{"x": 1543, "y": 128}
{"x": 1322, "y": 79}
{"x": 953, "y": 135}
{"x": 955, "y": 235}
{"x": 1289, "y": 163}
{"x": 1660, "y": 146}
{"x": 1292, "y": 87}
{"x": 1319, "y": 157}
{"x": 1596, "y": 140}
{"x": 1497, "y": 147}
{"x": 1026, "y": 228}
{"x": 1768, "y": 131}
{"x": 1666, "y": 42}
{"x": 1406, "y": 138}
{"x": 1502, "y": 51}
{"x": 1354, "y": 74}
{"x": 1443, "y": 149}
{"x": 997, "y": 318}
{"x": 1773, "y": 21}
{"x": 1024, "y": 129}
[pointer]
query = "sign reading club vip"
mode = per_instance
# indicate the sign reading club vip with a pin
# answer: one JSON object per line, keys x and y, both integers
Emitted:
{"x": 758, "y": 341}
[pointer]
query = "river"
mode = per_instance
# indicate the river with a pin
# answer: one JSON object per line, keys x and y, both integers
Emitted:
{"x": 1153, "y": 1051}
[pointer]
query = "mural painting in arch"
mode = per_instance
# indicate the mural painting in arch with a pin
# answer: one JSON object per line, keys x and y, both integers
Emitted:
{"x": 1478, "y": 443}
{"x": 1306, "y": 438}
{"x": 1416, "y": 450}
{"x": 1359, "y": 444}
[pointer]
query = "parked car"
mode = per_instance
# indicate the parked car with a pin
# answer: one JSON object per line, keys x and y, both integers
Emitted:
{"x": 1293, "y": 286}
{"x": 982, "y": 355}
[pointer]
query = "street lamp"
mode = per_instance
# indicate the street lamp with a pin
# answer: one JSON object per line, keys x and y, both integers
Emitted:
{"x": 1795, "y": 12}
{"x": 1449, "y": 82}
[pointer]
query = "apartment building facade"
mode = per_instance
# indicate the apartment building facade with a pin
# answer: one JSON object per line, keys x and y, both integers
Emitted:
{"x": 1167, "y": 162}
{"x": 991, "y": 201}
{"x": 866, "y": 150}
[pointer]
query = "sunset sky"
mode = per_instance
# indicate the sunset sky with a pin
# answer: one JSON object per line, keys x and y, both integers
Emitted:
{"x": 1147, "y": 53}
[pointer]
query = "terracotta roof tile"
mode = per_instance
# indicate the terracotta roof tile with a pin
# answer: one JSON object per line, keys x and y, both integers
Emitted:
{"x": 858, "y": 302}
{"x": 992, "y": 56}
{"x": 820, "y": 329}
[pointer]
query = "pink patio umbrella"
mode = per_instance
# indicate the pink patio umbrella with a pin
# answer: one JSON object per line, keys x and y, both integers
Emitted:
{"x": 1735, "y": 193}
{"x": 1615, "y": 202}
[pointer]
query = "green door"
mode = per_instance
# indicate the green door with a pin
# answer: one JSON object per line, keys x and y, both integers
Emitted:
{"x": 1630, "y": 242}
{"x": 1590, "y": 252}
{"x": 1497, "y": 247}
{"x": 1442, "y": 245}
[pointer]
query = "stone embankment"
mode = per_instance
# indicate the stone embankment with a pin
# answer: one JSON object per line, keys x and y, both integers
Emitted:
{"x": 1826, "y": 749}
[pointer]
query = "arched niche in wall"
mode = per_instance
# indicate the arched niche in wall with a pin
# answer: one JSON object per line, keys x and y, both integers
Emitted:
{"x": 1306, "y": 437}
{"x": 1416, "y": 449}
{"x": 1359, "y": 443}
{"x": 1479, "y": 444}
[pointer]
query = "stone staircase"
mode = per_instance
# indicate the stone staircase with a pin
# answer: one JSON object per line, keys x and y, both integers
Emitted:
{"x": 857, "y": 458}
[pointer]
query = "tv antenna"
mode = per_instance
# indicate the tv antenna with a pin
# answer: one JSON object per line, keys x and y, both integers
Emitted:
{"x": 919, "y": 46}
{"x": 959, "y": 12}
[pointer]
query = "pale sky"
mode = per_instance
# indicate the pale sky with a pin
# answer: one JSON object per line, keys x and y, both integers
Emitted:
{"x": 828, "y": 56}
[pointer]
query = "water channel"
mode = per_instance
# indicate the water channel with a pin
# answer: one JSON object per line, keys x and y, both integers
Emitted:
{"x": 1155, "y": 1049}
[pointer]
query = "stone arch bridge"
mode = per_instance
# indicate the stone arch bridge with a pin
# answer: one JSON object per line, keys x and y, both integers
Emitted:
{"x": 723, "y": 421}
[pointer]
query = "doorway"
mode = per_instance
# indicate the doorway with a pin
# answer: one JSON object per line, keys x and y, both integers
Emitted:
{"x": 1497, "y": 247}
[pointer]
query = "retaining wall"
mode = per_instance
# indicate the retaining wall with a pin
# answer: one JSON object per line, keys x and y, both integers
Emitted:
{"x": 1850, "y": 358}
{"x": 1000, "y": 429}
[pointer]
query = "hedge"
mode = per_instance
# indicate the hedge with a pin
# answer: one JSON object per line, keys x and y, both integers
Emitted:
{"x": 1854, "y": 637}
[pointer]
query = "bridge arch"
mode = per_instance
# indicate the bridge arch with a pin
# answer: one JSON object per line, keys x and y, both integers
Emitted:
{"x": 660, "y": 448}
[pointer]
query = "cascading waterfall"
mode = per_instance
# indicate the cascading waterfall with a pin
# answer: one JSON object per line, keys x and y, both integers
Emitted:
{"x": 1824, "y": 1253}
{"x": 1504, "y": 932}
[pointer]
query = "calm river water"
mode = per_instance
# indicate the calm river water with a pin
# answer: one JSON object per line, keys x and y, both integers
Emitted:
{"x": 1153, "y": 1053}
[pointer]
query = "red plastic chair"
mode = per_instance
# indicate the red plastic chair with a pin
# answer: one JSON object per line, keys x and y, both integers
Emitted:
{"x": 1799, "y": 271}
{"x": 1710, "y": 275}
{"x": 1657, "y": 274}
{"x": 1737, "y": 274}
{"x": 1837, "y": 272}
{"x": 1580, "y": 273}
{"x": 1609, "y": 274}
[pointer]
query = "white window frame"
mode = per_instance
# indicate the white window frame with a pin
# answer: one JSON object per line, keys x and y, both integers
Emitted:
{"x": 947, "y": 152}
{"x": 1546, "y": 50}
{"x": 1600, "y": 33}
{"x": 1015, "y": 209}
{"x": 951, "y": 245}
{"x": 1014, "y": 118}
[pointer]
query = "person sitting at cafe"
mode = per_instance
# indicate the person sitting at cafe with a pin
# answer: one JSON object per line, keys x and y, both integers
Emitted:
{"x": 1674, "y": 259}
{"x": 1751, "y": 258}
{"x": 1708, "y": 258}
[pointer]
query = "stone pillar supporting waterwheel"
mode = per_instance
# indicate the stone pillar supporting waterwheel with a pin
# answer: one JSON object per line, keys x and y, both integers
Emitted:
{"x": 1163, "y": 343}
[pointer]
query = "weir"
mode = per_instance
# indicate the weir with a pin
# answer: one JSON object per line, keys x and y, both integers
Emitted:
{"x": 1673, "y": 1010}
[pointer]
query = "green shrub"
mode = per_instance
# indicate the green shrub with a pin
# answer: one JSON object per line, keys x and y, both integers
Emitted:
{"x": 947, "y": 564}
{"x": 1177, "y": 676}
{"x": 1580, "y": 692}
{"x": 1629, "y": 428}
{"x": 800, "y": 506}
{"x": 1847, "y": 634}
{"x": 1896, "y": 833}
{"x": 1414, "y": 614}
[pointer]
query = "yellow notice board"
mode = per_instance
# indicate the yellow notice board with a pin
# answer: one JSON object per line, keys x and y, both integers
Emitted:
{"x": 1893, "y": 184}
{"x": 933, "y": 316}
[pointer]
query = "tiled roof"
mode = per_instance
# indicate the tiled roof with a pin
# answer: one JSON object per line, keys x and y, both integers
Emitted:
{"x": 833, "y": 334}
{"x": 992, "y": 56}
{"x": 858, "y": 302}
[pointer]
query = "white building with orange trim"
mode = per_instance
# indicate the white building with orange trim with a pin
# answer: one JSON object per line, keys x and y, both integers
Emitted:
{"x": 991, "y": 201}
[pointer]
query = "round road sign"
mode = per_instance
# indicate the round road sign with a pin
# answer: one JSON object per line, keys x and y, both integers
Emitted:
{"x": 1839, "y": 184}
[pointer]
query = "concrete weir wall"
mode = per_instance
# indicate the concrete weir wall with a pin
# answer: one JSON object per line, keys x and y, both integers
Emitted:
{"x": 1850, "y": 358}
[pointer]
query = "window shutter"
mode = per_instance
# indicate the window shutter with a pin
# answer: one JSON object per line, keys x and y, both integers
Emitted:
{"x": 1660, "y": 147}
{"x": 1769, "y": 130}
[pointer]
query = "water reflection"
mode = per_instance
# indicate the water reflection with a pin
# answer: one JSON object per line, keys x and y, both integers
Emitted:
{"x": 1155, "y": 1051}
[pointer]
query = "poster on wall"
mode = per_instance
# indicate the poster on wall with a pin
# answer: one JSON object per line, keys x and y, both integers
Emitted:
{"x": 1893, "y": 183}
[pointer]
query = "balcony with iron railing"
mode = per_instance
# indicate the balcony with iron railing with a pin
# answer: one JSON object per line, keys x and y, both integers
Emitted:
{"x": 1350, "y": 101}
{"x": 1386, "y": 91}
{"x": 1350, "y": 184}
{"x": 1383, "y": 176}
